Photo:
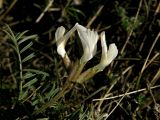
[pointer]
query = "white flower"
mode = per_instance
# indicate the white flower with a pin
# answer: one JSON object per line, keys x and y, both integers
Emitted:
{"x": 108, "y": 55}
{"x": 59, "y": 36}
{"x": 89, "y": 40}
{"x": 61, "y": 39}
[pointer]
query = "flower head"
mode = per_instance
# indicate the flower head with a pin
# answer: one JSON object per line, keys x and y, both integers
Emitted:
{"x": 89, "y": 40}
{"x": 108, "y": 55}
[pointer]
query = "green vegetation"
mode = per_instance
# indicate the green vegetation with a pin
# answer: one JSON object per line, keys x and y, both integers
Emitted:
{"x": 32, "y": 74}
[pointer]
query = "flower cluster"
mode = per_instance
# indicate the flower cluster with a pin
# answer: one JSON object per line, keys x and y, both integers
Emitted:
{"x": 89, "y": 39}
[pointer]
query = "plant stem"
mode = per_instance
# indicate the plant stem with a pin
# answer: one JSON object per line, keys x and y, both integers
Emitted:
{"x": 21, "y": 71}
{"x": 88, "y": 74}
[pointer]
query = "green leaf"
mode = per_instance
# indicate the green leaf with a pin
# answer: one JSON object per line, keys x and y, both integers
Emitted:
{"x": 75, "y": 10}
{"x": 35, "y": 102}
{"x": 52, "y": 92}
{"x": 27, "y": 38}
{"x": 15, "y": 48}
{"x": 28, "y": 57}
{"x": 31, "y": 82}
{"x": 26, "y": 47}
{"x": 20, "y": 35}
{"x": 10, "y": 33}
{"x": 36, "y": 71}
{"x": 28, "y": 75}
{"x": 23, "y": 95}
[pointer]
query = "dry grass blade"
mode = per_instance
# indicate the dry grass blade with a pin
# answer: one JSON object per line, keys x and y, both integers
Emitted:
{"x": 130, "y": 33}
{"x": 155, "y": 78}
{"x": 129, "y": 93}
{"x": 50, "y": 2}
{"x": 95, "y": 16}
{"x": 8, "y": 10}
{"x": 145, "y": 63}
{"x": 116, "y": 105}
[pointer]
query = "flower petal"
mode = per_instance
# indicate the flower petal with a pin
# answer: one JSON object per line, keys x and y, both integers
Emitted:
{"x": 60, "y": 41}
{"x": 59, "y": 33}
{"x": 112, "y": 53}
{"x": 104, "y": 49}
{"x": 108, "y": 55}
{"x": 89, "y": 42}
{"x": 80, "y": 27}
